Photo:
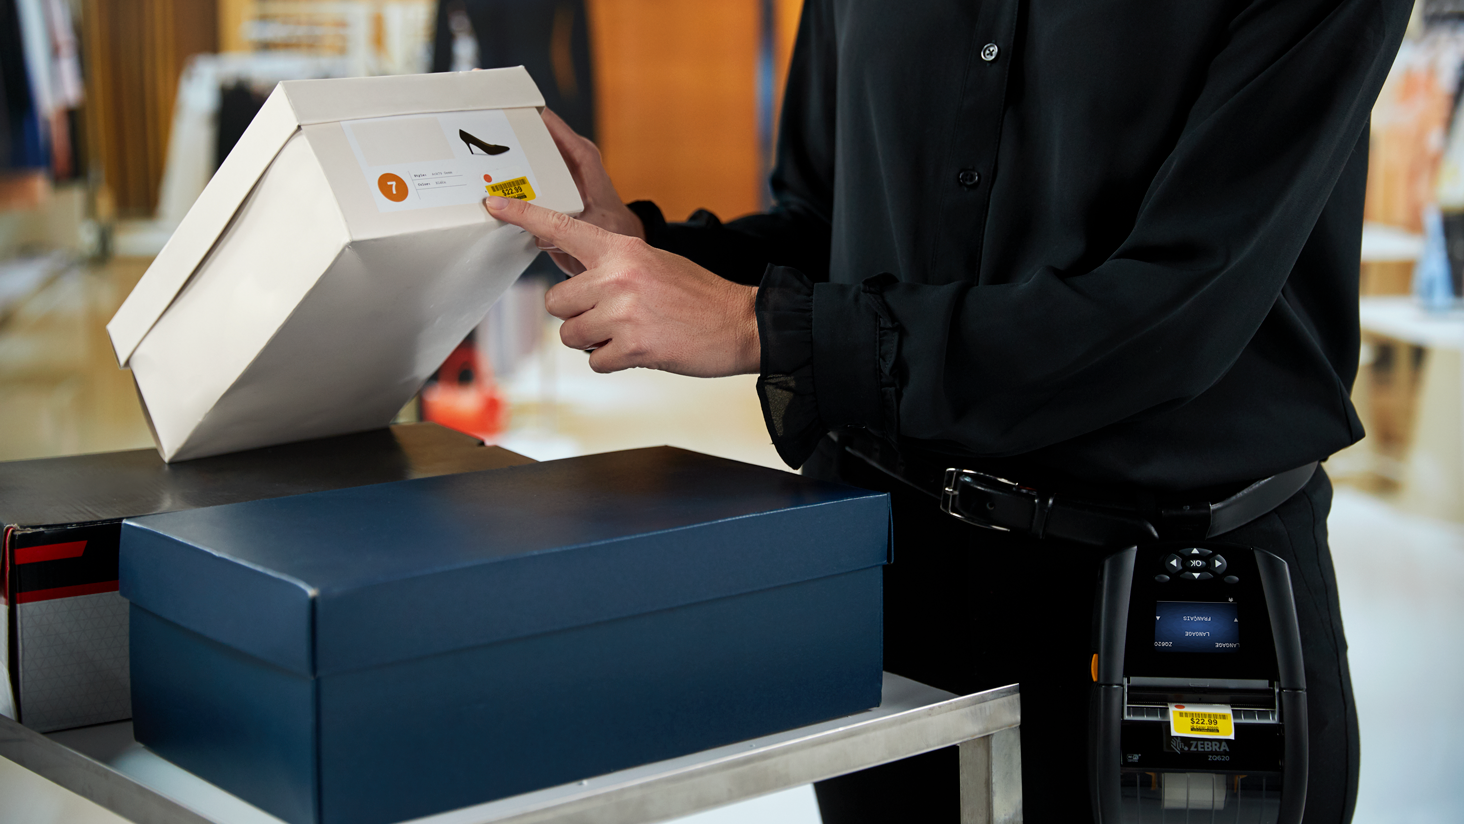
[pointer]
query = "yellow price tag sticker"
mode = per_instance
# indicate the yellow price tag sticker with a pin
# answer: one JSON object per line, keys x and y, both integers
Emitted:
{"x": 1201, "y": 721}
{"x": 518, "y": 189}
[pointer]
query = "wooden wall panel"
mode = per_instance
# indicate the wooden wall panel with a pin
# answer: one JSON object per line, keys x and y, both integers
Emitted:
{"x": 135, "y": 52}
{"x": 232, "y": 16}
{"x": 677, "y": 115}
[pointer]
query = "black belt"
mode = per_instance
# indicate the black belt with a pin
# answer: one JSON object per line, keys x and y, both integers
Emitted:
{"x": 996, "y": 503}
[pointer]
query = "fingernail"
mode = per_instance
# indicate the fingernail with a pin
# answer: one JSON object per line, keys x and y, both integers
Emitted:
{"x": 495, "y": 202}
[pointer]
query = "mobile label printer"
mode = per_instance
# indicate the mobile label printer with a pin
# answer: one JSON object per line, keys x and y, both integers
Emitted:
{"x": 1198, "y": 705}
{"x": 1199, "y": 698}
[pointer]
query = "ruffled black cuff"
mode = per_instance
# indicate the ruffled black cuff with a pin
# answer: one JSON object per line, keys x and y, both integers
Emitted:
{"x": 844, "y": 334}
{"x": 856, "y": 341}
{"x": 848, "y": 337}
{"x": 785, "y": 385}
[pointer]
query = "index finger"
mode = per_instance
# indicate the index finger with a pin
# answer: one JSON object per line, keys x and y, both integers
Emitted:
{"x": 586, "y": 242}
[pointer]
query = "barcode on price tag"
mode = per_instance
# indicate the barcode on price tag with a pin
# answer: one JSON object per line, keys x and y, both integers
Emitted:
{"x": 517, "y": 188}
{"x": 1201, "y": 721}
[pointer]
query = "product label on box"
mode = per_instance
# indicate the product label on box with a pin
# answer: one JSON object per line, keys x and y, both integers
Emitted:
{"x": 518, "y": 188}
{"x": 1201, "y": 721}
{"x": 446, "y": 159}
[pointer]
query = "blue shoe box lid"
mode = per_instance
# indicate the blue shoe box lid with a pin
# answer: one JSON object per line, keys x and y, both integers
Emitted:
{"x": 350, "y": 579}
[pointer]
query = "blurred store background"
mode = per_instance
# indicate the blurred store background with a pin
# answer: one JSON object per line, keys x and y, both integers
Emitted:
{"x": 116, "y": 112}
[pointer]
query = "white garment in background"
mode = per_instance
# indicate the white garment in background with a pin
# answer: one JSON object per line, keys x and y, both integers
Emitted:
{"x": 51, "y": 63}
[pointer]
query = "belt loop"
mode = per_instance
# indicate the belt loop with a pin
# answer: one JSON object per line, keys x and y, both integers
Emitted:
{"x": 1040, "y": 510}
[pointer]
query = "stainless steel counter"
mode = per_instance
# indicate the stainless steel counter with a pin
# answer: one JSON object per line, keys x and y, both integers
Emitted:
{"x": 105, "y": 765}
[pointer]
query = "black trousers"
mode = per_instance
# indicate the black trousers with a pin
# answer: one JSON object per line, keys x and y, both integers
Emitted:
{"x": 968, "y": 609}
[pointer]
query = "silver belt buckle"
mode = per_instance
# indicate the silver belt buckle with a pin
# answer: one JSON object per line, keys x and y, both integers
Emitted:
{"x": 955, "y": 478}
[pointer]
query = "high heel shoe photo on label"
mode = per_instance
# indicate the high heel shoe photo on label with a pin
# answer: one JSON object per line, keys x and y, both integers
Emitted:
{"x": 487, "y": 148}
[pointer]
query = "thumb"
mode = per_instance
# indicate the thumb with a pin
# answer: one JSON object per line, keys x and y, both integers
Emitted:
{"x": 583, "y": 240}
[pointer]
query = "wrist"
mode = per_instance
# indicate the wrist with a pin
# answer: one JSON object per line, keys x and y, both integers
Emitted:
{"x": 750, "y": 362}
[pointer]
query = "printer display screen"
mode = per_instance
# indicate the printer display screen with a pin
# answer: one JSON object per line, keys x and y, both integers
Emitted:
{"x": 1196, "y": 626}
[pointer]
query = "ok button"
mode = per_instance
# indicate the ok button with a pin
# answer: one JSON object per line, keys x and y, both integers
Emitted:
{"x": 968, "y": 178}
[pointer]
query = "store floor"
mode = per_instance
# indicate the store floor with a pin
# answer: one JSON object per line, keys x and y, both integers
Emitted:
{"x": 1400, "y": 576}
{"x": 60, "y": 389}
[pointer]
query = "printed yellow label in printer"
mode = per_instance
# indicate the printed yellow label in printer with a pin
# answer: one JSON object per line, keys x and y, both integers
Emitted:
{"x": 1201, "y": 721}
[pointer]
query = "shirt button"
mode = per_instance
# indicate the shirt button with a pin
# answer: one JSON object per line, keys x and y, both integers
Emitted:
{"x": 968, "y": 177}
{"x": 989, "y": 52}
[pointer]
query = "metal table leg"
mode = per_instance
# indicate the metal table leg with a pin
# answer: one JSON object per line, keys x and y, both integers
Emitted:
{"x": 991, "y": 778}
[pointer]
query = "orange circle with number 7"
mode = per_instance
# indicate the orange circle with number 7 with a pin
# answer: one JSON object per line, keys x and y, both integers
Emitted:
{"x": 392, "y": 187}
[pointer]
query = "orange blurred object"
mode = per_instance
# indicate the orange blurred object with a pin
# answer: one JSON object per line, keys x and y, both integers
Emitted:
{"x": 464, "y": 396}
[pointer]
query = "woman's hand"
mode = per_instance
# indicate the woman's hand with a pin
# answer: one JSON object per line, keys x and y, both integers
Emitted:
{"x": 603, "y": 207}
{"x": 635, "y": 305}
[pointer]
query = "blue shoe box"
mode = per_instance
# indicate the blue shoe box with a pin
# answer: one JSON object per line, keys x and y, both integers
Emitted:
{"x": 386, "y": 652}
{"x": 63, "y": 627}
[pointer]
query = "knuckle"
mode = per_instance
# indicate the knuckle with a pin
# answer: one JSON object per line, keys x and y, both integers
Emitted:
{"x": 633, "y": 348}
{"x": 561, "y": 222}
{"x": 623, "y": 279}
{"x": 632, "y": 245}
{"x": 637, "y": 355}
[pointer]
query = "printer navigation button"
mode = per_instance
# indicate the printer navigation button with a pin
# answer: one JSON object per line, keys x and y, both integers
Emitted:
{"x": 1173, "y": 564}
{"x": 1231, "y": 579}
{"x": 1195, "y": 552}
{"x": 1217, "y": 564}
{"x": 1163, "y": 579}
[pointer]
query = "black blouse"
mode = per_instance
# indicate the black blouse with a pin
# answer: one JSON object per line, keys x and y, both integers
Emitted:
{"x": 1106, "y": 240}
